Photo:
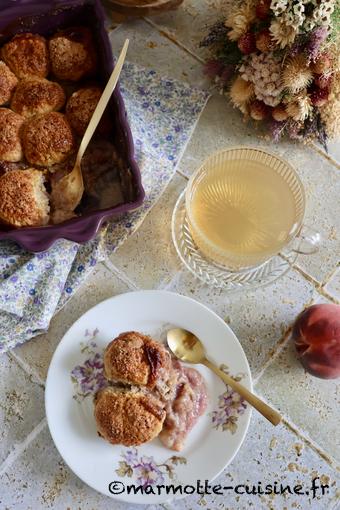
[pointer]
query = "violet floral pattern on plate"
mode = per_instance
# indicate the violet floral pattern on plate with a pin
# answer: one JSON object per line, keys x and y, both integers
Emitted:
{"x": 230, "y": 407}
{"x": 145, "y": 470}
{"x": 88, "y": 377}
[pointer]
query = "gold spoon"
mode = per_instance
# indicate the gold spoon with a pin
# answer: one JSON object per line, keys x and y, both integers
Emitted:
{"x": 187, "y": 347}
{"x": 68, "y": 191}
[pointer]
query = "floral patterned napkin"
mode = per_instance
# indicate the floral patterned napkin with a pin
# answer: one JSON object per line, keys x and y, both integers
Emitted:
{"x": 162, "y": 113}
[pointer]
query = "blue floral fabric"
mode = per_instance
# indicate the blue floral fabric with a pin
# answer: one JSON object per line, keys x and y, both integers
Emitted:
{"x": 162, "y": 114}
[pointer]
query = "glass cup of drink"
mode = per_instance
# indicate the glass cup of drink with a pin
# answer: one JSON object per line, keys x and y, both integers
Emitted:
{"x": 245, "y": 205}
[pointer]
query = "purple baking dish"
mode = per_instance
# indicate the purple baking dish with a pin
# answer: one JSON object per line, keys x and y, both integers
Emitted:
{"x": 45, "y": 17}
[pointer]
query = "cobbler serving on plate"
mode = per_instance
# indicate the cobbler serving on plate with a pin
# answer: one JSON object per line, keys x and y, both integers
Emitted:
{"x": 150, "y": 394}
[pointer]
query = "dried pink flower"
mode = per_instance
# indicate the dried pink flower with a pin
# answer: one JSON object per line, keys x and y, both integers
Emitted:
{"x": 277, "y": 129}
{"x": 313, "y": 46}
{"x": 213, "y": 68}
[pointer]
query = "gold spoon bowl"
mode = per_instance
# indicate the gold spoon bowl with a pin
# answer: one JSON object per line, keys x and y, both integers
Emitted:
{"x": 188, "y": 348}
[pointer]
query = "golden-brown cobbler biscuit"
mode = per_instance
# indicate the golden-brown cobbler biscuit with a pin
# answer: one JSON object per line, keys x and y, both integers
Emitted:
{"x": 8, "y": 82}
{"x": 128, "y": 418}
{"x": 23, "y": 198}
{"x": 10, "y": 128}
{"x": 134, "y": 358}
{"x": 36, "y": 96}
{"x": 47, "y": 139}
{"x": 72, "y": 54}
{"x": 27, "y": 55}
{"x": 80, "y": 107}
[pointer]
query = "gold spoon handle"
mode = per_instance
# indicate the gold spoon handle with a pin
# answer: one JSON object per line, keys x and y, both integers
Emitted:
{"x": 263, "y": 408}
{"x": 97, "y": 114}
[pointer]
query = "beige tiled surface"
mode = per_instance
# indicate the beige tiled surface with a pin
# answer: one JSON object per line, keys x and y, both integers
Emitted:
{"x": 149, "y": 48}
{"x": 311, "y": 403}
{"x": 33, "y": 474}
{"x": 333, "y": 151}
{"x": 333, "y": 286}
{"x": 152, "y": 242}
{"x": 189, "y": 23}
{"x": 21, "y": 406}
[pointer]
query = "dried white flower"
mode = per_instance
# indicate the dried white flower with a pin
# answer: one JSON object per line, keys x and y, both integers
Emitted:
{"x": 240, "y": 19}
{"x": 279, "y": 6}
{"x": 300, "y": 108}
{"x": 282, "y": 33}
{"x": 321, "y": 14}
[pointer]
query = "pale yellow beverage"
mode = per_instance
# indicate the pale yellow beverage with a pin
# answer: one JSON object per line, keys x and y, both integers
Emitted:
{"x": 241, "y": 212}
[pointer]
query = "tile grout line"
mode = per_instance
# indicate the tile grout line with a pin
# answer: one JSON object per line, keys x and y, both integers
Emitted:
{"x": 120, "y": 274}
{"x": 319, "y": 287}
{"x": 182, "y": 174}
{"x": 325, "y": 294}
{"x": 21, "y": 447}
{"x": 163, "y": 31}
{"x": 331, "y": 461}
{"x": 280, "y": 345}
{"x": 307, "y": 276}
{"x": 27, "y": 369}
{"x": 316, "y": 149}
{"x": 300, "y": 433}
{"x": 331, "y": 275}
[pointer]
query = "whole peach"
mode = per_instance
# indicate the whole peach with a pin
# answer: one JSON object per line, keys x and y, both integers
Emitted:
{"x": 316, "y": 333}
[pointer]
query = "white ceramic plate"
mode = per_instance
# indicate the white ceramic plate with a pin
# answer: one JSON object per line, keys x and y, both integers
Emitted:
{"x": 75, "y": 374}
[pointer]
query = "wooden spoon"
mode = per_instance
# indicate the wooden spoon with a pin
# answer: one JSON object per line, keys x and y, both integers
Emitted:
{"x": 68, "y": 191}
{"x": 187, "y": 347}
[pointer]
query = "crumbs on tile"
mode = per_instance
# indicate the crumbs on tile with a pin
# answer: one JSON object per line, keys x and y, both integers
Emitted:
{"x": 53, "y": 490}
{"x": 13, "y": 405}
{"x": 298, "y": 447}
{"x": 273, "y": 443}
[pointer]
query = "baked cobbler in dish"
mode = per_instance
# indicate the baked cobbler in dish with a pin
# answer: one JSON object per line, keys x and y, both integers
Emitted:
{"x": 48, "y": 93}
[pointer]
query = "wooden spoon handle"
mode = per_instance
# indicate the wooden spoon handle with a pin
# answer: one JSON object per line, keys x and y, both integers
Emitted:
{"x": 104, "y": 99}
{"x": 263, "y": 408}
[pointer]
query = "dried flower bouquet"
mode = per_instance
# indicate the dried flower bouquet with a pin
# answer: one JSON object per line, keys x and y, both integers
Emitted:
{"x": 278, "y": 61}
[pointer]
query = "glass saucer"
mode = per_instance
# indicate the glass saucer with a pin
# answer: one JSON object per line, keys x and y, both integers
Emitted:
{"x": 218, "y": 276}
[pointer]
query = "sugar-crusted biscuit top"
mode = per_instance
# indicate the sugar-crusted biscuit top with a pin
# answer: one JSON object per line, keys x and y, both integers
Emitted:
{"x": 72, "y": 54}
{"x": 8, "y": 82}
{"x": 134, "y": 358}
{"x": 10, "y": 135}
{"x": 47, "y": 139}
{"x": 35, "y": 96}
{"x": 27, "y": 55}
{"x": 128, "y": 418}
